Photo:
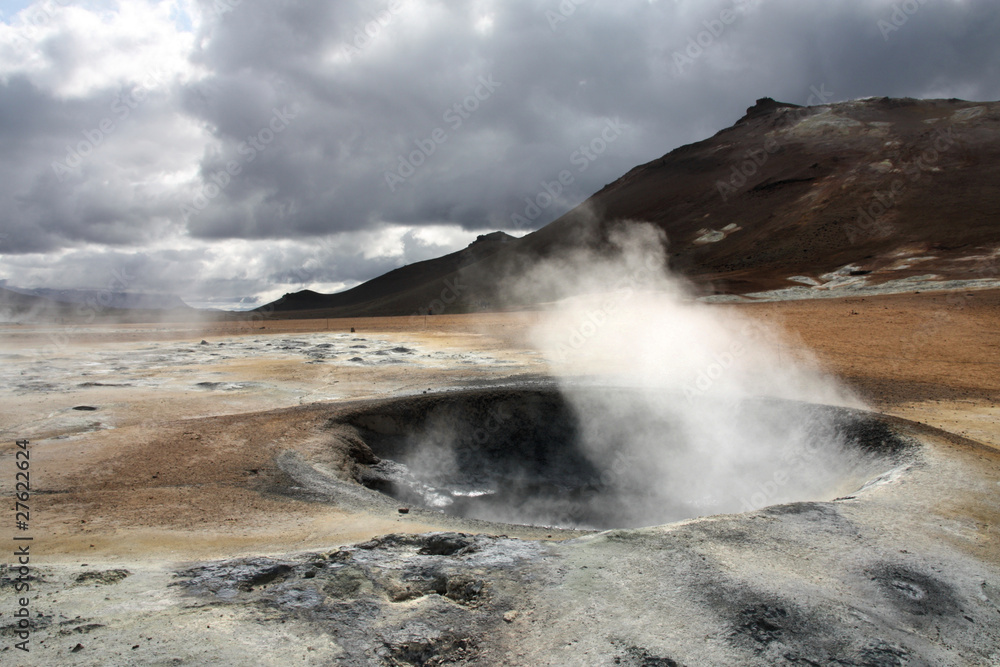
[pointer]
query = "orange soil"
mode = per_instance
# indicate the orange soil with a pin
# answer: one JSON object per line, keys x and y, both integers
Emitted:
{"x": 171, "y": 484}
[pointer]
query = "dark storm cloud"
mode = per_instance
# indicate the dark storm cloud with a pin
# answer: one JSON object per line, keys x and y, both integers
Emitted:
{"x": 300, "y": 121}
{"x": 234, "y": 269}
{"x": 559, "y": 76}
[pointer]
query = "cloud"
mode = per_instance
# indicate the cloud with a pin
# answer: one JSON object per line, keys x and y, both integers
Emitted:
{"x": 208, "y": 271}
{"x": 130, "y": 127}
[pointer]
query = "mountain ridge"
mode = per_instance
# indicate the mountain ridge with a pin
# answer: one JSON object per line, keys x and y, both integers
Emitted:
{"x": 786, "y": 191}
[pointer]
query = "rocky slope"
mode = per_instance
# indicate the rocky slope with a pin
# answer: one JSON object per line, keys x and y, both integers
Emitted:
{"x": 882, "y": 188}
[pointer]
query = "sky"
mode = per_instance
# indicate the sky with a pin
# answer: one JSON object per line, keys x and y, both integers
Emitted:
{"x": 241, "y": 149}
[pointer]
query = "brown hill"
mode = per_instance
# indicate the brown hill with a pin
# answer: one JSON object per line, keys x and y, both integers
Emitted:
{"x": 895, "y": 187}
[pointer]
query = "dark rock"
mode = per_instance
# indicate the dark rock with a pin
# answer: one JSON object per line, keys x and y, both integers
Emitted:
{"x": 393, "y": 540}
{"x": 447, "y": 544}
{"x": 102, "y": 577}
{"x": 267, "y": 576}
{"x": 763, "y": 623}
{"x": 465, "y": 590}
{"x": 347, "y": 582}
{"x": 227, "y": 577}
{"x": 883, "y": 655}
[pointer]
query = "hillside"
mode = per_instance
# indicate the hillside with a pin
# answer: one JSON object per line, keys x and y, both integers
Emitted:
{"x": 405, "y": 285}
{"x": 886, "y": 188}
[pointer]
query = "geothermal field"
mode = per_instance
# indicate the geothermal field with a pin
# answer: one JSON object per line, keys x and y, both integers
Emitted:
{"x": 635, "y": 478}
{"x": 535, "y": 333}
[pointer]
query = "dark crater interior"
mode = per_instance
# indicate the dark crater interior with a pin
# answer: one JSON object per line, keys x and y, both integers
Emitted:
{"x": 604, "y": 458}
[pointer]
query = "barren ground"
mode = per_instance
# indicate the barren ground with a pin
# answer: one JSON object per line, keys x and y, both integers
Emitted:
{"x": 162, "y": 484}
{"x": 167, "y": 470}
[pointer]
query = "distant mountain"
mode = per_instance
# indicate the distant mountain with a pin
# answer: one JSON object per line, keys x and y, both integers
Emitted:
{"x": 18, "y": 307}
{"x": 890, "y": 187}
{"x": 406, "y": 290}
{"x": 107, "y": 299}
{"x": 14, "y": 304}
{"x": 22, "y": 305}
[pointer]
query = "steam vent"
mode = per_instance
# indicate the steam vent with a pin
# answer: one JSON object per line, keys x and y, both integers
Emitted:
{"x": 605, "y": 458}
{"x": 820, "y": 544}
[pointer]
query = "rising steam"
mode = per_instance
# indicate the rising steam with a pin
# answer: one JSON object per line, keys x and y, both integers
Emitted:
{"x": 698, "y": 437}
{"x": 666, "y": 409}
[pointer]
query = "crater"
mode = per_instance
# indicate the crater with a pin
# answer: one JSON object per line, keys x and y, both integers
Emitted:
{"x": 604, "y": 457}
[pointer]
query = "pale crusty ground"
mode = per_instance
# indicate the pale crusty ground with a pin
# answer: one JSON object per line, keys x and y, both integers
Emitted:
{"x": 168, "y": 484}
{"x": 186, "y": 474}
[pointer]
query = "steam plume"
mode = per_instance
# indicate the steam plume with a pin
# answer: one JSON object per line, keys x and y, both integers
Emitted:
{"x": 699, "y": 437}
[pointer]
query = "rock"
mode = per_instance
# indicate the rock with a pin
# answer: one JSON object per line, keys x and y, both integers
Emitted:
{"x": 347, "y": 583}
{"x": 510, "y": 616}
{"x": 104, "y": 578}
{"x": 392, "y": 541}
{"x": 465, "y": 590}
{"x": 243, "y": 574}
{"x": 447, "y": 544}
